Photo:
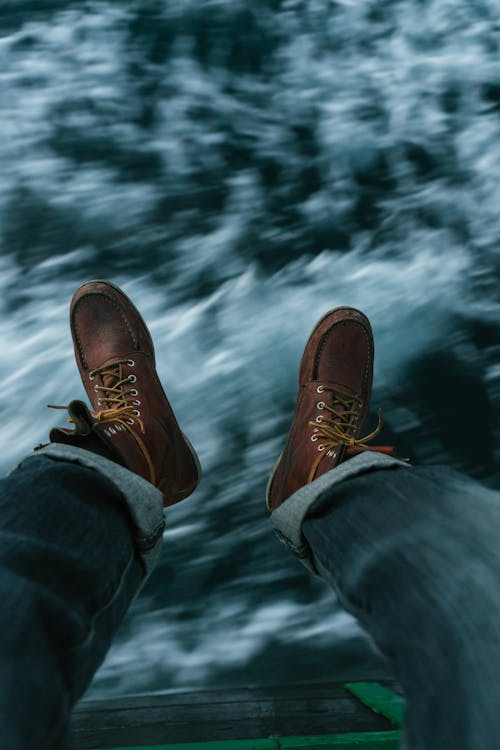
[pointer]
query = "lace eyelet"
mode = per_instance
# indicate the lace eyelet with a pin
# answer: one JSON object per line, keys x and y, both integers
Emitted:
{"x": 319, "y": 419}
{"x": 320, "y": 389}
{"x": 91, "y": 376}
{"x": 134, "y": 392}
{"x": 137, "y": 412}
{"x": 136, "y": 403}
{"x": 320, "y": 404}
{"x": 314, "y": 438}
{"x": 130, "y": 362}
{"x": 132, "y": 378}
{"x": 130, "y": 421}
{"x": 96, "y": 388}
{"x": 321, "y": 447}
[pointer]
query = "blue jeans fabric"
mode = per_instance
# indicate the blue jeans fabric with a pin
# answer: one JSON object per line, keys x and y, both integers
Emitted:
{"x": 68, "y": 571}
{"x": 288, "y": 518}
{"x": 414, "y": 554}
{"x": 144, "y": 502}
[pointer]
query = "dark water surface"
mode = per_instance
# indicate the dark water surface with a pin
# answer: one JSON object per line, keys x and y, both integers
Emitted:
{"x": 240, "y": 168}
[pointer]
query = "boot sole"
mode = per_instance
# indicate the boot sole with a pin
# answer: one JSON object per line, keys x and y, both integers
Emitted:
{"x": 196, "y": 460}
{"x": 270, "y": 483}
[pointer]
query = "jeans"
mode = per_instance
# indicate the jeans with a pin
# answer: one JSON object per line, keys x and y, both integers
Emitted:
{"x": 414, "y": 553}
{"x": 68, "y": 571}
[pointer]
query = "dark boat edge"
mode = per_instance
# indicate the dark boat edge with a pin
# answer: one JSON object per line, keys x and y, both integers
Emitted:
{"x": 259, "y": 713}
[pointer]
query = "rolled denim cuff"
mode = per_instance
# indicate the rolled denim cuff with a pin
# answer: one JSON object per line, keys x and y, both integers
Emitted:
{"x": 143, "y": 500}
{"x": 288, "y": 517}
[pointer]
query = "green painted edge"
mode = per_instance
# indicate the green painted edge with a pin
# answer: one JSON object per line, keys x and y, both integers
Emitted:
{"x": 380, "y": 699}
{"x": 367, "y": 740}
{"x": 224, "y": 745}
{"x": 353, "y": 741}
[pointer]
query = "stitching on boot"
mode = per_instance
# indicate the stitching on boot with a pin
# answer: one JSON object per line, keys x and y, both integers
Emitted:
{"x": 367, "y": 337}
{"x": 117, "y": 308}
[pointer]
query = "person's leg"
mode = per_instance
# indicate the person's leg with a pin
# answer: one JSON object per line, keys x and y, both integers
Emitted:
{"x": 81, "y": 522}
{"x": 68, "y": 571}
{"x": 414, "y": 554}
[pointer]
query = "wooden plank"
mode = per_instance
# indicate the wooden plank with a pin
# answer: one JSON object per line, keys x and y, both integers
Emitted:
{"x": 222, "y": 715}
{"x": 365, "y": 741}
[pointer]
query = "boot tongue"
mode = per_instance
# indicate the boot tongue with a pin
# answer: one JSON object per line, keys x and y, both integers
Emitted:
{"x": 344, "y": 390}
{"x": 331, "y": 389}
{"x": 329, "y": 386}
{"x": 116, "y": 371}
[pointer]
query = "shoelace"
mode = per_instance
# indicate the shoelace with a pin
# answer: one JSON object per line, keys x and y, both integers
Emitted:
{"x": 338, "y": 429}
{"x": 120, "y": 404}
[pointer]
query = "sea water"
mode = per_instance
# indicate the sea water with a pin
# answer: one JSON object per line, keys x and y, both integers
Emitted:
{"x": 239, "y": 168}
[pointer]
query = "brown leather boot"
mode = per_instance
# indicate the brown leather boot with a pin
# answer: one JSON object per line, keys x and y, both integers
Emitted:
{"x": 335, "y": 381}
{"x": 131, "y": 420}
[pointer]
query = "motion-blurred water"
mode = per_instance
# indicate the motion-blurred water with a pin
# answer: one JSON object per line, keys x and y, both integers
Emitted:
{"x": 240, "y": 167}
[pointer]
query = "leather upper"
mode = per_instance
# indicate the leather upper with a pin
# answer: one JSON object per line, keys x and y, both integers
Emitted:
{"x": 115, "y": 357}
{"x": 335, "y": 380}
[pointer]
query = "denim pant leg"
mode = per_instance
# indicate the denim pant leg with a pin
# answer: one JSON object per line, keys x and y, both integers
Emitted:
{"x": 414, "y": 554}
{"x": 68, "y": 571}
